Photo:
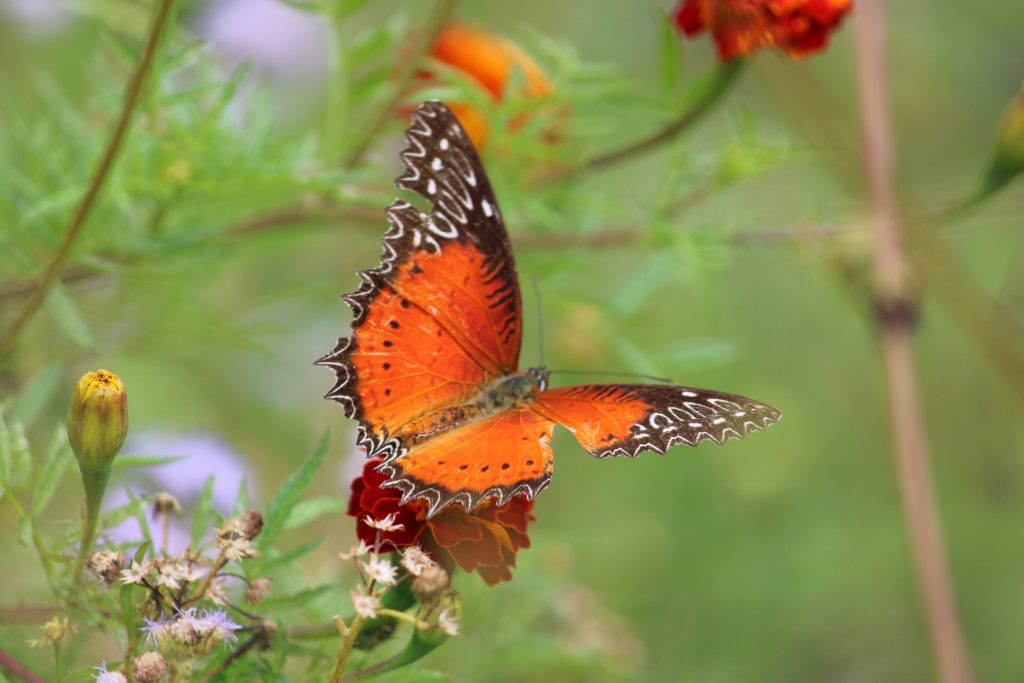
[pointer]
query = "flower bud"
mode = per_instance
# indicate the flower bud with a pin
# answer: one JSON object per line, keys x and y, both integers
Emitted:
{"x": 97, "y": 420}
{"x": 428, "y": 585}
{"x": 1009, "y": 154}
{"x": 166, "y": 504}
{"x": 106, "y": 565}
{"x": 149, "y": 667}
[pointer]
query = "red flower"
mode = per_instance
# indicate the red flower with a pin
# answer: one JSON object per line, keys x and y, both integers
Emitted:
{"x": 485, "y": 540}
{"x": 739, "y": 27}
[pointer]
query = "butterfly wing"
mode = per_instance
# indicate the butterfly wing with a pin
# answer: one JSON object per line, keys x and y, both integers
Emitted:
{"x": 441, "y": 314}
{"x": 626, "y": 419}
{"x": 500, "y": 456}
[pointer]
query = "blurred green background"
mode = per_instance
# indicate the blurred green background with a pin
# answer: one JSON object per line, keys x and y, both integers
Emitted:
{"x": 778, "y": 558}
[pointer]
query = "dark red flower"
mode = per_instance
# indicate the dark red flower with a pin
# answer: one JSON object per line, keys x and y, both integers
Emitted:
{"x": 739, "y": 27}
{"x": 485, "y": 540}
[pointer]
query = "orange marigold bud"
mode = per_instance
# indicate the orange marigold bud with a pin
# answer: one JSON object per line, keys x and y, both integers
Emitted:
{"x": 740, "y": 27}
{"x": 97, "y": 420}
{"x": 1009, "y": 154}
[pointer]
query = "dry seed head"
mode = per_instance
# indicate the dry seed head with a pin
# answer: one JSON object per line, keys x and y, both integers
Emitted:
{"x": 149, "y": 667}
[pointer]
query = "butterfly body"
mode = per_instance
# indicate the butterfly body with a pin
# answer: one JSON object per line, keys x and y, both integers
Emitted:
{"x": 431, "y": 370}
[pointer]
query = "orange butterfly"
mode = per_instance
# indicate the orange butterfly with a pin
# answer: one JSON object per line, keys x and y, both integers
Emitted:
{"x": 431, "y": 371}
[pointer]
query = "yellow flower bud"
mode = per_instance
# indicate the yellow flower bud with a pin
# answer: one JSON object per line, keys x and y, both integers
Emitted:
{"x": 97, "y": 420}
{"x": 1009, "y": 154}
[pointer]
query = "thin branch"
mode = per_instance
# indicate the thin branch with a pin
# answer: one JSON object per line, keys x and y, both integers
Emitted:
{"x": 78, "y": 220}
{"x": 895, "y": 326}
{"x": 16, "y": 668}
{"x": 715, "y": 89}
{"x": 410, "y": 65}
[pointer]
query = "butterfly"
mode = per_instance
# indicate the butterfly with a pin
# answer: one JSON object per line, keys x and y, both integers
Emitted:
{"x": 431, "y": 369}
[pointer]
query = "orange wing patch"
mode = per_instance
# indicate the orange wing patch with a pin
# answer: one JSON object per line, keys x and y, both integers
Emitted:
{"x": 627, "y": 419}
{"x": 499, "y": 456}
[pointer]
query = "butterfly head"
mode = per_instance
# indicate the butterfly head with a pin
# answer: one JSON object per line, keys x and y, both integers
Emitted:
{"x": 539, "y": 377}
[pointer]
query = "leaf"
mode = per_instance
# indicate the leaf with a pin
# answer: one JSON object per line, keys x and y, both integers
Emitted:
{"x": 37, "y": 393}
{"x": 288, "y": 557}
{"x": 21, "y": 456}
{"x": 670, "y": 57}
{"x": 57, "y": 459}
{"x": 204, "y": 510}
{"x": 288, "y": 496}
{"x": 129, "y": 613}
{"x": 312, "y": 509}
{"x": 25, "y": 531}
{"x": 65, "y": 314}
{"x": 5, "y": 456}
{"x": 126, "y": 461}
{"x": 139, "y": 513}
{"x": 296, "y": 599}
{"x": 241, "y": 498}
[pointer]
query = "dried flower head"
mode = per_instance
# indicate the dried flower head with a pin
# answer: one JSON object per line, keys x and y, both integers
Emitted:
{"x": 137, "y": 573}
{"x": 448, "y": 622}
{"x": 430, "y": 583}
{"x": 355, "y": 551}
{"x": 149, "y": 667}
{"x": 51, "y": 633}
{"x": 165, "y": 504}
{"x": 105, "y": 565}
{"x": 257, "y": 589}
{"x": 415, "y": 560}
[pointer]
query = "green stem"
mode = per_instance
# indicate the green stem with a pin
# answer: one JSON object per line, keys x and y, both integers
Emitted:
{"x": 95, "y": 484}
{"x": 346, "y": 649}
{"x": 708, "y": 95}
{"x": 78, "y": 220}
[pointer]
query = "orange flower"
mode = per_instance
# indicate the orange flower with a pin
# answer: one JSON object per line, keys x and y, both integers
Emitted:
{"x": 739, "y": 27}
{"x": 489, "y": 60}
{"x": 485, "y": 540}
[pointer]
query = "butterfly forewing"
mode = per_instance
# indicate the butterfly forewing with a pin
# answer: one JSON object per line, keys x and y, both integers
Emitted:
{"x": 627, "y": 419}
{"x": 440, "y": 316}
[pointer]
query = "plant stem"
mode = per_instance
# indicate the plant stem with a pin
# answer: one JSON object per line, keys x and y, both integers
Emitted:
{"x": 711, "y": 93}
{"x": 16, "y": 668}
{"x": 895, "y": 325}
{"x": 95, "y": 484}
{"x": 78, "y": 220}
{"x": 346, "y": 648}
{"x": 411, "y": 63}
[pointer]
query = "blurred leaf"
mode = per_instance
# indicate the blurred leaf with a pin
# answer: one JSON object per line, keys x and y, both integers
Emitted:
{"x": 37, "y": 392}
{"x": 25, "y": 531}
{"x": 203, "y": 511}
{"x": 288, "y": 496}
{"x": 241, "y": 498}
{"x": 138, "y": 511}
{"x": 296, "y": 599}
{"x": 21, "y": 456}
{"x": 314, "y": 508}
{"x": 123, "y": 461}
{"x": 5, "y": 456}
{"x": 268, "y": 563}
{"x": 129, "y": 612}
{"x": 65, "y": 314}
{"x": 57, "y": 459}
{"x": 670, "y": 57}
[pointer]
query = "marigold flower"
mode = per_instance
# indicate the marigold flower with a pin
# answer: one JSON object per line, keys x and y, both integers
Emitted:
{"x": 97, "y": 420}
{"x": 740, "y": 27}
{"x": 490, "y": 60}
{"x": 485, "y": 540}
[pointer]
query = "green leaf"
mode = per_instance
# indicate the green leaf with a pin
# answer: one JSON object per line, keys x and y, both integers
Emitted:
{"x": 25, "y": 531}
{"x": 670, "y": 57}
{"x": 268, "y": 563}
{"x": 38, "y": 393}
{"x": 312, "y": 509}
{"x": 204, "y": 509}
{"x": 5, "y": 456}
{"x": 288, "y": 496}
{"x": 21, "y": 456}
{"x": 57, "y": 459}
{"x": 65, "y": 314}
{"x": 123, "y": 461}
{"x": 129, "y": 612}
{"x": 296, "y": 599}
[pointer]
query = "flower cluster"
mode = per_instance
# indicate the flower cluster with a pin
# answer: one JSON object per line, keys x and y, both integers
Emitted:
{"x": 191, "y": 631}
{"x": 485, "y": 541}
{"x": 740, "y": 27}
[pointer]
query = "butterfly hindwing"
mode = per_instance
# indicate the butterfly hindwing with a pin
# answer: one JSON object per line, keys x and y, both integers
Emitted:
{"x": 627, "y": 419}
{"x": 440, "y": 315}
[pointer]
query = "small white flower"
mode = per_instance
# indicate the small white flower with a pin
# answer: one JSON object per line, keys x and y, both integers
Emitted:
{"x": 447, "y": 622}
{"x": 355, "y": 551}
{"x": 386, "y": 524}
{"x": 366, "y": 605}
{"x": 137, "y": 573}
{"x": 215, "y": 592}
{"x": 381, "y": 570}
{"x": 415, "y": 560}
{"x": 169, "y": 574}
{"x": 105, "y": 676}
{"x": 239, "y": 549}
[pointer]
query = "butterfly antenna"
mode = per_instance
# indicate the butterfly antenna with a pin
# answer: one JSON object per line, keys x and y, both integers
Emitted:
{"x": 636, "y": 375}
{"x": 540, "y": 317}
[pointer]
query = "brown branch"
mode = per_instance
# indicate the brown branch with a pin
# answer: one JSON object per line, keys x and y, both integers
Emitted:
{"x": 895, "y": 327}
{"x": 16, "y": 668}
{"x": 78, "y": 220}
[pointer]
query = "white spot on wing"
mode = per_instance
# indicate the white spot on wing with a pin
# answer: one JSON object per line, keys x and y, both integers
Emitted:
{"x": 436, "y": 164}
{"x": 444, "y": 143}
{"x": 431, "y": 187}
{"x": 488, "y": 211}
